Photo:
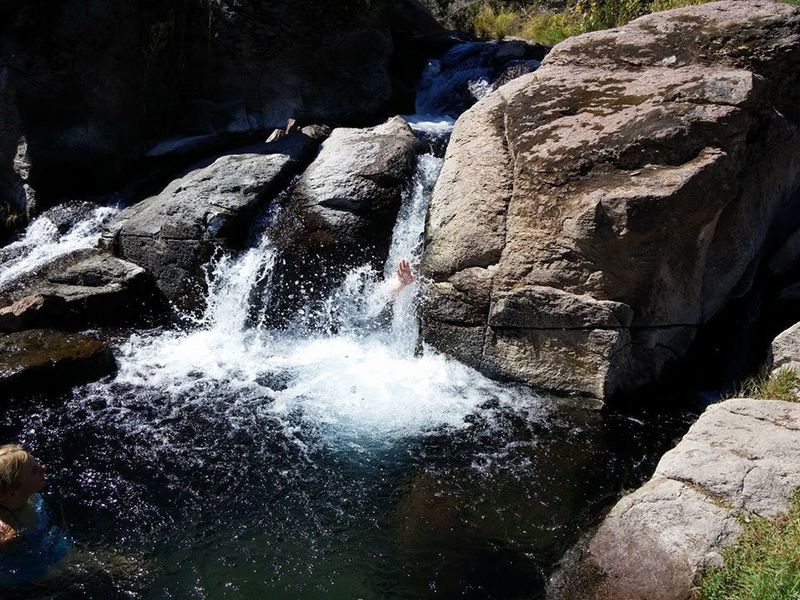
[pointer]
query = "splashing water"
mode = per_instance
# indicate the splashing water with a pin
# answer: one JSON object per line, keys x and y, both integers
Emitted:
{"x": 43, "y": 243}
{"x": 363, "y": 380}
{"x": 331, "y": 459}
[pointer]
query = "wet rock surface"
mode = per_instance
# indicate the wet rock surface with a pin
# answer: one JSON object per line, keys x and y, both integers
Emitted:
{"x": 46, "y": 359}
{"x": 348, "y": 197}
{"x": 175, "y": 233}
{"x": 742, "y": 456}
{"x": 81, "y": 289}
{"x": 340, "y": 212}
{"x": 646, "y": 167}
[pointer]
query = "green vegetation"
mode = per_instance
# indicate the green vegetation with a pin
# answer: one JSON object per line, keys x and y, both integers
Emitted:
{"x": 763, "y": 565}
{"x": 766, "y": 386}
{"x": 495, "y": 23}
{"x": 495, "y": 19}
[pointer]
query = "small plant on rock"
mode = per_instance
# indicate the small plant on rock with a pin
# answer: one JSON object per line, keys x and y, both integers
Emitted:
{"x": 763, "y": 565}
{"x": 780, "y": 385}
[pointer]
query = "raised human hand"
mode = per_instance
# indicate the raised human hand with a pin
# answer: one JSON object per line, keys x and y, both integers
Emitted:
{"x": 404, "y": 274}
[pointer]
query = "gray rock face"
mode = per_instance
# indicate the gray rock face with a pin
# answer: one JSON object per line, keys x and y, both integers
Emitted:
{"x": 175, "y": 233}
{"x": 78, "y": 290}
{"x": 785, "y": 349}
{"x": 47, "y": 359}
{"x": 741, "y": 455}
{"x": 616, "y": 198}
{"x": 341, "y": 211}
{"x": 351, "y": 192}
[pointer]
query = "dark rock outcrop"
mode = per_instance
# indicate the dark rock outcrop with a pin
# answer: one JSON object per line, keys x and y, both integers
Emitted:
{"x": 741, "y": 457}
{"x": 13, "y": 207}
{"x": 591, "y": 216}
{"x": 175, "y": 233}
{"x": 44, "y": 359}
{"x": 82, "y": 289}
{"x": 97, "y": 82}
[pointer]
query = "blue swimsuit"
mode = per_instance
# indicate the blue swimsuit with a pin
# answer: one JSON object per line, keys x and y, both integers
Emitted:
{"x": 29, "y": 558}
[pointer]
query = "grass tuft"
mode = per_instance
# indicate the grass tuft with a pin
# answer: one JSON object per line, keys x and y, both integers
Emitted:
{"x": 764, "y": 564}
{"x": 781, "y": 385}
{"x": 496, "y": 24}
{"x": 495, "y": 19}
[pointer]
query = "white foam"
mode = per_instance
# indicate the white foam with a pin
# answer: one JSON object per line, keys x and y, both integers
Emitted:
{"x": 42, "y": 243}
{"x": 362, "y": 382}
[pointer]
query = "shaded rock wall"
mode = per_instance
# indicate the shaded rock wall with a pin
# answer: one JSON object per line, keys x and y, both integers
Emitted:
{"x": 97, "y": 81}
{"x": 591, "y": 216}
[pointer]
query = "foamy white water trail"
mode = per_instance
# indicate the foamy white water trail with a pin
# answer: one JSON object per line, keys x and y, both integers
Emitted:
{"x": 349, "y": 365}
{"x": 43, "y": 243}
{"x": 360, "y": 380}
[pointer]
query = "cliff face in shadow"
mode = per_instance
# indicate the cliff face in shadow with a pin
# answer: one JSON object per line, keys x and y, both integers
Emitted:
{"x": 97, "y": 82}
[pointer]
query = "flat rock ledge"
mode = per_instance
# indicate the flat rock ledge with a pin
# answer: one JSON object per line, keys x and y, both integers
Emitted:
{"x": 741, "y": 457}
{"x": 82, "y": 289}
{"x": 46, "y": 359}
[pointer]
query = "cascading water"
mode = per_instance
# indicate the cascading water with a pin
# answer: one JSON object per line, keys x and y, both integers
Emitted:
{"x": 43, "y": 243}
{"x": 328, "y": 459}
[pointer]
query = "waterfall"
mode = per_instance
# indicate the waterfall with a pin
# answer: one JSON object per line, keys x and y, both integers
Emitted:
{"x": 43, "y": 242}
{"x": 350, "y": 367}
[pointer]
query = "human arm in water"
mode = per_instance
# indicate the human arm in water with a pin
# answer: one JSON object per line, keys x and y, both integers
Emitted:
{"x": 403, "y": 277}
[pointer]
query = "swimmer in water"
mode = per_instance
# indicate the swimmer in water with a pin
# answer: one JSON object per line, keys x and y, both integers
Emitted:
{"x": 29, "y": 544}
{"x": 21, "y": 476}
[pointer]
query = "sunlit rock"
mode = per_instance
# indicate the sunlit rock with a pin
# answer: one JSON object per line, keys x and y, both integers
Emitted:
{"x": 42, "y": 359}
{"x": 84, "y": 288}
{"x": 741, "y": 457}
{"x": 644, "y": 168}
{"x": 175, "y": 233}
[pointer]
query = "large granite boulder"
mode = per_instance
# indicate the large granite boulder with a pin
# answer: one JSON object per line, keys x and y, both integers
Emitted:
{"x": 82, "y": 289}
{"x": 45, "y": 359}
{"x": 175, "y": 233}
{"x": 349, "y": 196}
{"x": 591, "y": 216}
{"x": 741, "y": 457}
{"x": 99, "y": 81}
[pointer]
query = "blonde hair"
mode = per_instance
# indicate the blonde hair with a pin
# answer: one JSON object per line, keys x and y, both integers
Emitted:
{"x": 12, "y": 459}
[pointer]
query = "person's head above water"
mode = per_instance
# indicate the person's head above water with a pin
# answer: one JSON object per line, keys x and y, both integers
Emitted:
{"x": 21, "y": 476}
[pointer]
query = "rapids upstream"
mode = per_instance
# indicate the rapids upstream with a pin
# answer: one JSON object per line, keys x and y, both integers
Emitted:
{"x": 329, "y": 459}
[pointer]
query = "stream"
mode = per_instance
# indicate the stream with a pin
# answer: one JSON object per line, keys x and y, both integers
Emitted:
{"x": 336, "y": 457}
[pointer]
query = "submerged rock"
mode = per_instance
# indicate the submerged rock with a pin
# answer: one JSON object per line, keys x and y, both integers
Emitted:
{"x": 742, "y": 456}
{"x": 611, "y": 203}
{"x": 81, "y": 289}
{"x": 45, "y": 359}
{"x": 175, "y": 233}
